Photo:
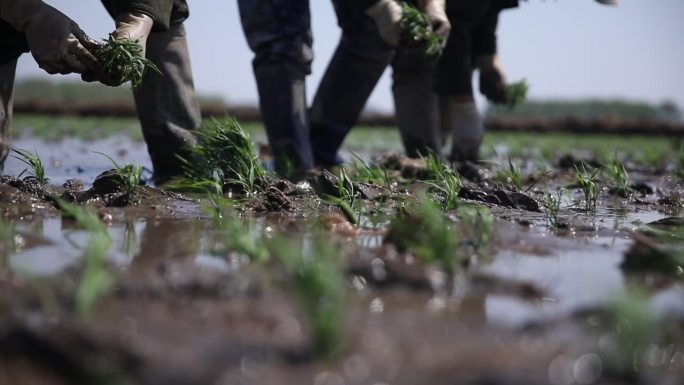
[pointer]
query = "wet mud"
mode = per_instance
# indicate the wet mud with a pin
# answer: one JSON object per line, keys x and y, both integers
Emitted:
{"x": 533, "y": 305}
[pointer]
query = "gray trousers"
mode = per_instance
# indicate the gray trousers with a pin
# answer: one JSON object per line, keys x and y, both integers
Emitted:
{"x": 166, "y": 104}
{"x": 357, "y": 65}
{"x": 7, "y": 71}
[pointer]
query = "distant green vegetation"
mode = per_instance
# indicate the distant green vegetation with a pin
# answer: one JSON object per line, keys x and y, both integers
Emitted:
{"x": 41, "y": 90}
{"x": 667, "y": 111}
{"x": 364, "y": 140}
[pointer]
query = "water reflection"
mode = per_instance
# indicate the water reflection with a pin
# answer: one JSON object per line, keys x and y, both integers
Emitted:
{"x": 177, "y": 240}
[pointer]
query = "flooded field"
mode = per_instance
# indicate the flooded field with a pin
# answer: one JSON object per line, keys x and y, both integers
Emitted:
{"x": 531, "y": 268}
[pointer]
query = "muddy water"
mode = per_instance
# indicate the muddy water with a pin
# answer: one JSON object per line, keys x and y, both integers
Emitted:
{"x": 215, "y": 319}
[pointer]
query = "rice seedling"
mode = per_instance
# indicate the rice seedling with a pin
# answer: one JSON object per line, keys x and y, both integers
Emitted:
{"x": 122, "y": 61}
{"x": 619, "y": 176}
{"x": 424, "y": 231}
{"x": 315, "y": 275}
{"x": 96, "y": 280}
{"x": 129, "y": 176}
{"x": 8, "y": 242}
{"x": 363, "y": 172}
{"x": 552, "y": 207}
{"x": 516, "y": 93}
{"x": 33, "y": 161}
{"x": 478, "y": 223}
{"x": 345, "y": 195}
{"x": 680, "y": 161}
{"x": 225, "y": 155}
{"x": 512, "y": 175}
{"x": 589, "y": 186}
{"x": 416, "y": 29}
{"x": 633, "y": 326}
{"x": 235, "y": 234}
{"x": 445, "y": 180}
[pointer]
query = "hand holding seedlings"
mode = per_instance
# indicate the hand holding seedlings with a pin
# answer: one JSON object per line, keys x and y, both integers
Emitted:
{"x": 516, "y": 93}
{"x": 122, "y": 56}
{"x": 419, "y": 28}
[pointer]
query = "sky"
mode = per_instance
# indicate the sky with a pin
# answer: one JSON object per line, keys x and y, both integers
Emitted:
{"x": 565, "y": 49}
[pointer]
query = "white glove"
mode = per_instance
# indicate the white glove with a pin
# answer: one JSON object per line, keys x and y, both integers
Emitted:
{"x": 435, "y": 10}
{"x": 128, "y": 26}
{"x": 134, "y": 26}
{"x": 387, "y": 15}
{"x": 56, "y": 42}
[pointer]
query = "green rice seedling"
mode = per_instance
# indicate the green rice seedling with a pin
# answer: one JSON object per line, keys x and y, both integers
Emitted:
{"x": 96, "y": 280}
{"x": 8, "y": 242}
{"x": 512, "y": 175}
{"x": 33, "y": 161}
{"x": 316, "y": 277}
{"x": 619, "y": 176}
{"x": 217, "y": 206}
{"x": 445, "y": 180}
{"x": 552, "y": 207}
{"x": 86, "y": 219}
{"x": 589, "y": 186}
{"x": 235, "y": 234}
{"x": 122, "y": 61}
{"x": 516, "y": 93}
{"x": 225, "y": 153}
{"x": 478, "y": 223}
{"x": 633, "y": 325}
{"x": 424, "y": 231}
{"x": 363, "y": 172}
{"x": 680, "y": 161}
{"x": 416, "y": 29}
{"x": 129, "y": 175}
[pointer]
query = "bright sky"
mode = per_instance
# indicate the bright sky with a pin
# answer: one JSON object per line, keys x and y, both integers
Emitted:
{"x": 564, "y": 48}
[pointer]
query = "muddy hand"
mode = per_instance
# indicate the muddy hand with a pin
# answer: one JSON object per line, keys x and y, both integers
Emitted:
{"x": 387, "y": 15}
{"x": 435, "y": 10}
{"x": 492, "y": 79}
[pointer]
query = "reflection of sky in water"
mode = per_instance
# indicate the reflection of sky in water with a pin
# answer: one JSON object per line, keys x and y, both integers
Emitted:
{"x": 64, "y": 247}
{"x": 73, "y": 158}
{"x": 571, "y": 280}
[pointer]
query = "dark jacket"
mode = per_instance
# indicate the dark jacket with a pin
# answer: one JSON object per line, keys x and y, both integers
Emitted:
{"x": 164, "y": 12}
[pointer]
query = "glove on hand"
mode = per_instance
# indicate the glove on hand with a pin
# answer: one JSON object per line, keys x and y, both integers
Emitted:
{"x": 387, "y": 15}
{"x": 492, "y": 78}
{"x": 128, "y": 26}
{"x": 436, "y": 13}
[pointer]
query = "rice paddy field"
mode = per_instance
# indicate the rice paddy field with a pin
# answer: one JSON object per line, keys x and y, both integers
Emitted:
{"x": 558, "y": 260}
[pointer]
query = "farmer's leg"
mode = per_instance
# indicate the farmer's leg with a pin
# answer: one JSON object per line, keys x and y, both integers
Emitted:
{"x": 359, "y": 61}
{"x": 167, "y": 104}
{"x": 12, "y": 45}
{"x": 415, "y": 101}
{"x": 458, "y": 112}
{"x": 279, "y": 34}
{"x": 7, "y": 71}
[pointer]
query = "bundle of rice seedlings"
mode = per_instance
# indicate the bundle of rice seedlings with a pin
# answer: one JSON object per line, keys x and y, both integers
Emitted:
{"x": 122, "y": 61}
{"x": 416, "y": 29}
{"x": 225, "y": 155}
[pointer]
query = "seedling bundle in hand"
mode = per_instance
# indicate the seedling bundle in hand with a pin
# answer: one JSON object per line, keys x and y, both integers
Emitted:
{"x": 416, "y": 29}
{"x": 516, "y": 93}
{"x": 122, "y": 60}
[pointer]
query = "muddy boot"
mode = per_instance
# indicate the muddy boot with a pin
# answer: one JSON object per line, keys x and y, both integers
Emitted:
{"x": 282, "y": 99}
{"x": 167, "y": 104}
{"x": 467, "y": 128}
{"x": 415, "y": 103}
{"x": 7, "y": 72}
